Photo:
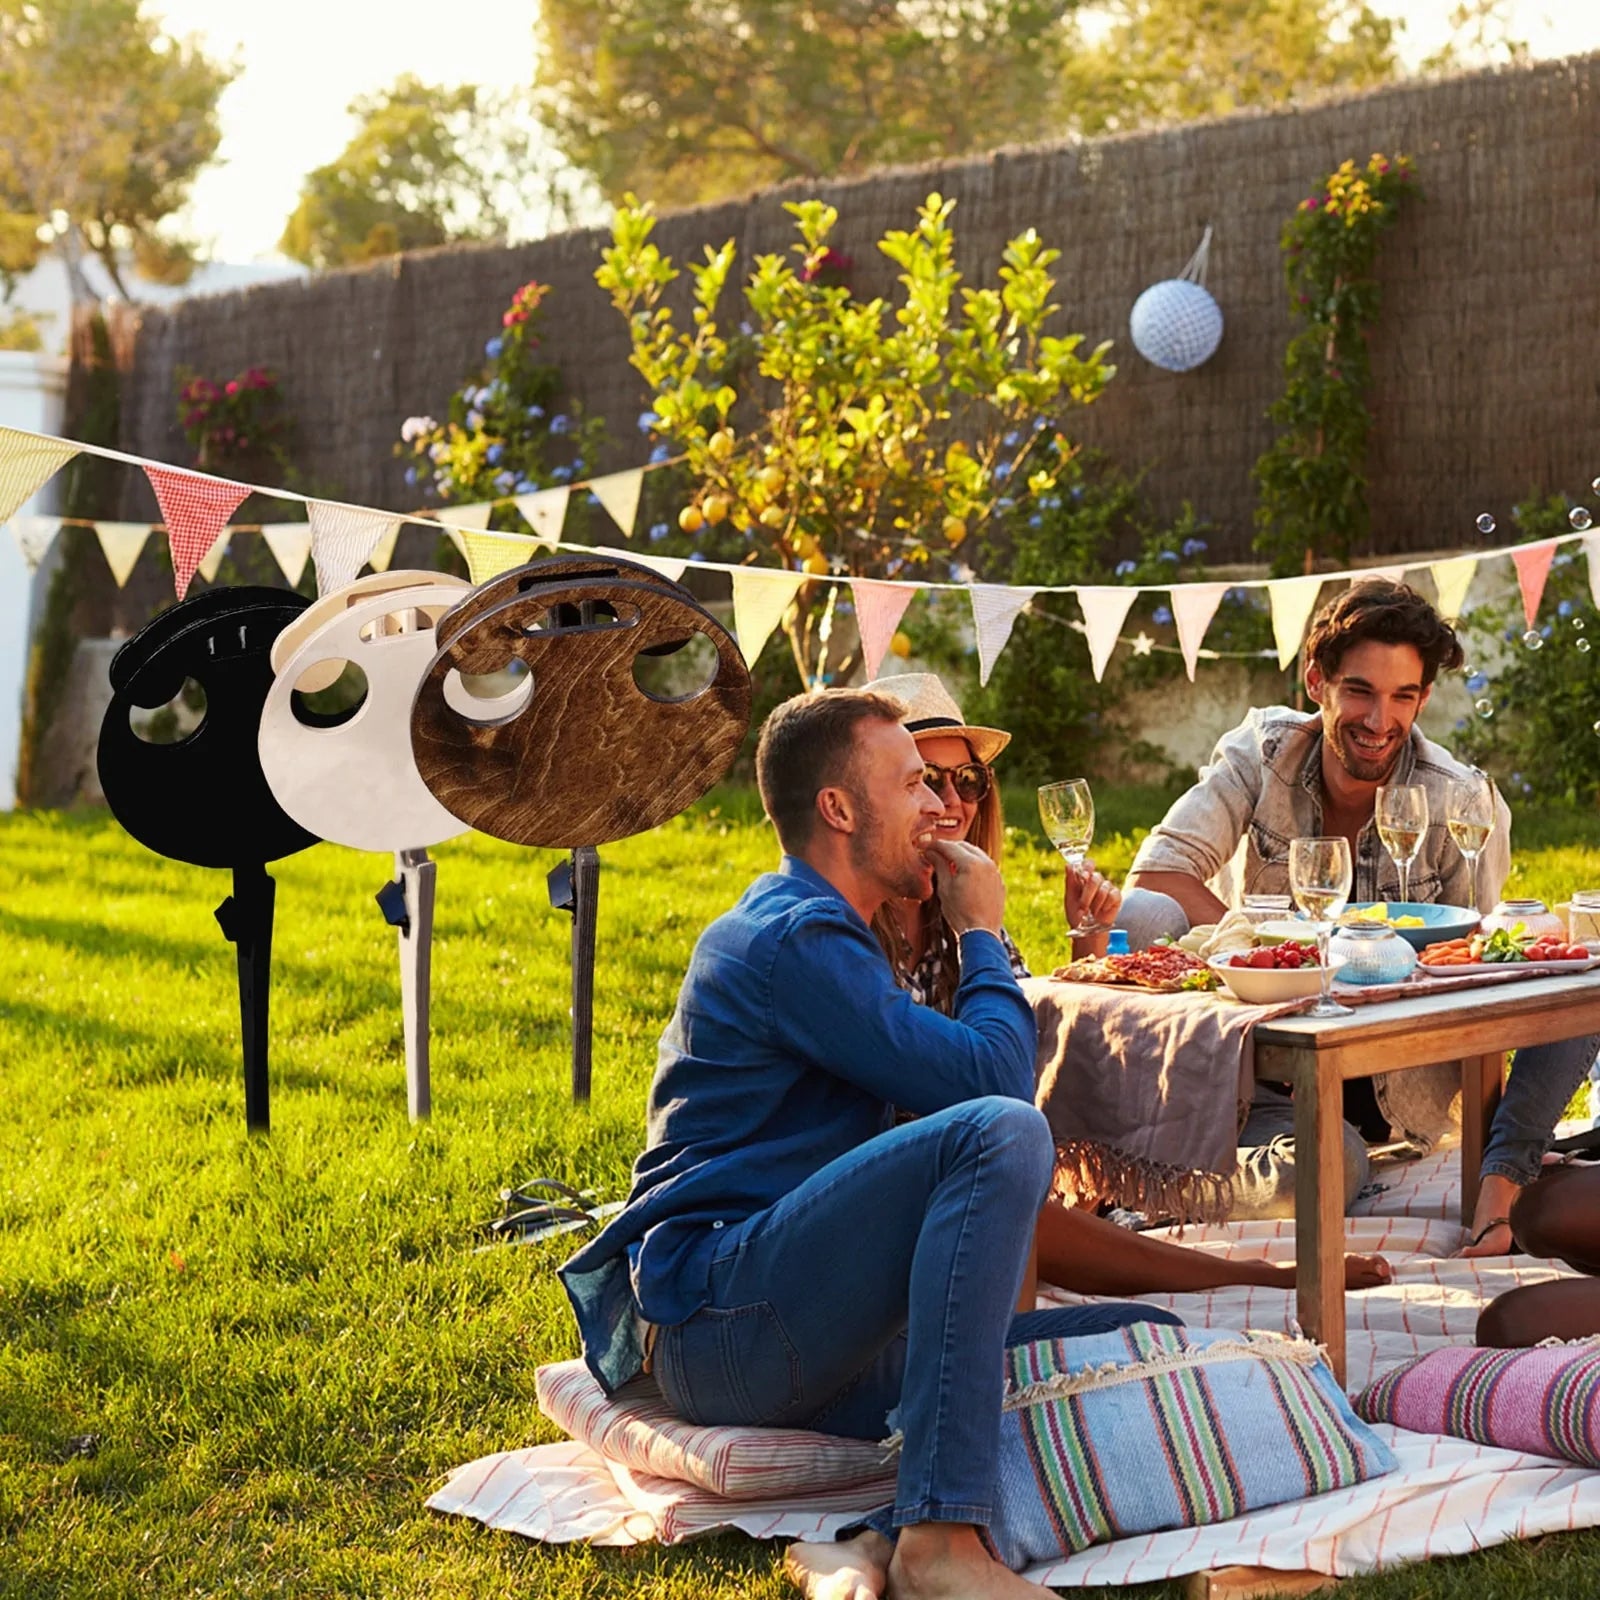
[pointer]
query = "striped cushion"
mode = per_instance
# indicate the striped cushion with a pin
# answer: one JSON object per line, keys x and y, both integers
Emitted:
{"x": 1545, "y": 1401}
{"x": 635, "y": 1428}
{"x": 1155, "y": 1427}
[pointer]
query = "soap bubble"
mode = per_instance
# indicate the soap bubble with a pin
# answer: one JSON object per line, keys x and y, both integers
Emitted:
{"x": 1579, "y": 517}
{"x": 1582, "y": 646}
{"x": 1577, "y": 622}
{"x": 1485, "y": 523}
{"x": 1533, "y": 639}
{"x": 1485, "y": 709}
{"x": 1595, "y": 485}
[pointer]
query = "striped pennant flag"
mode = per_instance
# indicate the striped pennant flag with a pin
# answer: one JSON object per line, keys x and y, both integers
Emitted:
{"x": 995, "y": 609}
{"x": 342, "y": 537}
{"x": 27, "y": 463}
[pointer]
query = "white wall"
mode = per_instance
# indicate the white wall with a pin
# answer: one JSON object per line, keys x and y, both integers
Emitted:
{"x": 32, "y": 390}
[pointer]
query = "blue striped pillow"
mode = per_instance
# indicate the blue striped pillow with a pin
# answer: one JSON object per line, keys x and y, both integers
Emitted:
{"x": 1153, "y": 1427}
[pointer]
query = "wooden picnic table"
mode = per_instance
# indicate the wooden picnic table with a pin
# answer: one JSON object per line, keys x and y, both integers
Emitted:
{"x": 1476, "y": 1027}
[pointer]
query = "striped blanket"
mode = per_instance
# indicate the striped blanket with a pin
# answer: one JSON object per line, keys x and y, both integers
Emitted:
{"x": 1447, "y": 1497}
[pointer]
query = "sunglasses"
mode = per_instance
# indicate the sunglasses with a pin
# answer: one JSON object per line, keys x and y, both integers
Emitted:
{"x": 970, "y": 780}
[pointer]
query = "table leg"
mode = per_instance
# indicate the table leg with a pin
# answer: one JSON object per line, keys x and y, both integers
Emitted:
{"x": 1482, "y": 1080}
{"x": 1319, "y": 1201}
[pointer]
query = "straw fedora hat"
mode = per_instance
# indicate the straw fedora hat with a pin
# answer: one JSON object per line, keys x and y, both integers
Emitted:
{"x": 932, "y": 710}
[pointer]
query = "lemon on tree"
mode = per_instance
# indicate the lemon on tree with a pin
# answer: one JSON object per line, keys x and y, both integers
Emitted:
{"x": 690, "y": 519}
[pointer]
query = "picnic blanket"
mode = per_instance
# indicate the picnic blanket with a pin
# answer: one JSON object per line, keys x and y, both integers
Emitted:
{"x": 1447, "y": 1497}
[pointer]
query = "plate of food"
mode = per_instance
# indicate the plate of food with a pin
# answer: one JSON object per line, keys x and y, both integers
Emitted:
{"x": 1418, "y": 922}
{"x": 1504, "y": 950}
{"x": 1163, "y": 967}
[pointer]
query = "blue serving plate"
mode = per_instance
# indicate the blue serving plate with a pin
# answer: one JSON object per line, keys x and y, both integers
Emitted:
{"x": 1439, "y": 922}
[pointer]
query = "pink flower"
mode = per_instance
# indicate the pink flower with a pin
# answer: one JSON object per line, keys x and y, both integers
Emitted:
{"x": 232, "y": 386}
{"x": 194, "y": 418}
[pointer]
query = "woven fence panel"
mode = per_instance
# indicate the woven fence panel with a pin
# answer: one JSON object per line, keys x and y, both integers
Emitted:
{"x": 1484, "y": 360}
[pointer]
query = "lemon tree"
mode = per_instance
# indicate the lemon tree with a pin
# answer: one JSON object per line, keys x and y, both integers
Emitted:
{"x": 842, "y": 436}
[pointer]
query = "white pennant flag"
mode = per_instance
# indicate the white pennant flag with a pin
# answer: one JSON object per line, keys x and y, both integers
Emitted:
{"x": 545, "y": 510}
{"x": 474, "y": 516}
{"x": 995, "y": 607}
{"x": 34, "y": 536}
{"x": 670, "y": 567}
{"x": 1193, "y": 607}
{"x": 382, "y": 553}
{"x": 212, "y": 559}
{"x": 618, "y": 492}
{"x": 290, "y": 544}
{"x": 1591, "y": 548}
{"x": 121, "y": 544}
{"x": 1393, "y": 574}
{"x": 1452, "y": 579}
{"x": 1104, "y": 611}
{"x": 760, "y": 598}
{"x": 1292, "y": 601}
{"x": 342, "y": 537}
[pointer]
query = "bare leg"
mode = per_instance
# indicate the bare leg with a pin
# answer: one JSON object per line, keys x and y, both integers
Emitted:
{"x": 850, "y": 1569}
{"x": 1520, "y": 1318}
{"x": 947, "y": 1561}
{"x": 1089, "y": 1255}
{"x": 1558, "y": 1217}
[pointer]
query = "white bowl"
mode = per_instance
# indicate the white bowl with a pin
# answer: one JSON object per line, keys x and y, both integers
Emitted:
{"x": 1271, "y": 986}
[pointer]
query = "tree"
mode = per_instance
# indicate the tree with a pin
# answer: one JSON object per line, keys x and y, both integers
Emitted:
{"x": 686, "y": 100}
{"x": 104, "y": 123}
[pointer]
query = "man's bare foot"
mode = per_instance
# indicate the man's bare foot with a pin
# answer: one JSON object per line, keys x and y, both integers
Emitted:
{"x": 851, "y": 1569}
{"x": 947, "y": 1561}
{"x": 1490, "y": 1234}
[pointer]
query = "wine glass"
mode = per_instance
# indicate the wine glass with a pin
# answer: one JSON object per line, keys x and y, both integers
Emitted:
{"x": 1469, "y": 815}
{"x": 1402, "y": 817}
{"x": 1067, "y": 811}
{"x": 1319, "y": 879}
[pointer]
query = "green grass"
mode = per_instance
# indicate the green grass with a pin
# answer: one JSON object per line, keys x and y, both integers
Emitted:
{"x": 237, "y": 1366}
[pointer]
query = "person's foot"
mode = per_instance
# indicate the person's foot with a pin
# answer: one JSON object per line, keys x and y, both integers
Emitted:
{"x": 1366, "y": 1272}
{"x": 851, "y": 1569}
{"x": 1490, "y": 1234}
{"x": 947, "y": 1561}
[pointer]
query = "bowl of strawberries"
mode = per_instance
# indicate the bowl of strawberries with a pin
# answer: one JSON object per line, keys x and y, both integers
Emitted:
{"x": 1271, "y": 974}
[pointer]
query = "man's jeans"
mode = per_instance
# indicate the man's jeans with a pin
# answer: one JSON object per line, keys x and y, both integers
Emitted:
{"x": 886, "y": 1280}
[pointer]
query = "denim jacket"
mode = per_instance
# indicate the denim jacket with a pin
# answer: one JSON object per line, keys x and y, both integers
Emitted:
{"x": 1263, "y": 788}
{"x": 790, "y": 1045}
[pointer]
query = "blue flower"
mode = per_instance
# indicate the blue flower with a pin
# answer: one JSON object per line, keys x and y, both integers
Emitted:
{"x": 1002, "y": 471}
{"x": 1564, "y": 609}
{"x": 658, "y": 532}
{"x": 1477, "y": 683}
{"x": 483, "y": 396}
{"x": 660, "y": 453}
{"x": 1012, "y": 440}
{"x": 1461, "y": 723}
{"x": 526, "y": 486}
{"x": 536, "y": 412}
{"x": 474, "y": 420}
{"x": 561, "y": 474}
{"x": 494, "y": 454}
{"x": 1510, "y": 635}
{"x": 559, "y": 423}
{"x": 592, "y": 498}
{"x": 411, "y": 477}
{"x": 1161, "y": 615}
{"x": 1169, "y": 555}
{"x": 697, "y": 555}
{"x": 493, "y": 348}
{"x": 579, "y": 464}
{"x": 1237, "y": 596}
{"x": 1039, "y": 424}
{"x": 1005, "y": 503}
{"x": 1076, "y": 491}
{"x": 648, "y": 422}
{"x": 505, "y": 481}
{"x": 1516, "y": 777}
{"x": 1050, "y": 502}
{"x": 1036, "y": 521}
{"x": 746, "y": 329}
{"x": 1546, "y": 631}
{"x": 1193, "y": 547}
{"x": 1126, "y": 569}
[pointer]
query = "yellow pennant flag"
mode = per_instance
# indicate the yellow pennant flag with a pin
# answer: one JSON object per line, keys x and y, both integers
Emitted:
{"x": 1452, "y": 579}
{"x": 760, "y": 598}
{"x": 121, "y": 544}
{"x": 490, "y": 554}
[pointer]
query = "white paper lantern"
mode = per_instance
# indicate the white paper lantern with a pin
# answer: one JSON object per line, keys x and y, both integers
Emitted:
{"x": 1176, "y": 325}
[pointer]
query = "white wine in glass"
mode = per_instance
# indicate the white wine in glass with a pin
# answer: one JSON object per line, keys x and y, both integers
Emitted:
{"x": 1469, "y": 817}
{"x": 1067, "y": 811}
{"x": 1319, "y": 880}
{"x": 1401, "y": 814}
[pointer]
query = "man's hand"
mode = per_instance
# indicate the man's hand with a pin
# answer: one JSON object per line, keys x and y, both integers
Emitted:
{"x": 972, "y": 893}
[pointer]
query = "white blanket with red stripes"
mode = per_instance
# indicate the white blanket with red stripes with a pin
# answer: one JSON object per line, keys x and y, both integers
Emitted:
{"x": 1447, "y": 1498}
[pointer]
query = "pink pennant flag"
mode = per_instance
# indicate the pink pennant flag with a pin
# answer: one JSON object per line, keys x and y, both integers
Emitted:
{"x": 995, "y": 609}
{"x": 1591, "y": 549}
{"x": 1104, "y": 612}
{"x": 1532, "y": 562}
{"x": 342, "y": 537}
{"x": 195, "y": 509}
{"x": 879, "y": 608}
{"x": 1193, "y": 607}
{"x": 27, "y": 463}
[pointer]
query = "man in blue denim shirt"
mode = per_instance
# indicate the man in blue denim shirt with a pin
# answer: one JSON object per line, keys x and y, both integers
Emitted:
{"x": 788, "y": 1255}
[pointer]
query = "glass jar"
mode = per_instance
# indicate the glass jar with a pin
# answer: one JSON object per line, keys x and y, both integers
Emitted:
{"x": 1373, "y": 953}
{"x": 1534, "y": 915}
{"x": 1267, "y": 908}
{"x": 1583, "y": 916}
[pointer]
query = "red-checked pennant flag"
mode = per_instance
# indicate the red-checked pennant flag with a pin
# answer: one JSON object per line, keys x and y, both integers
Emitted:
{"x": 879, "y": 608}
{"x": 195, "y": 509}
{"x": 27, "y": 463}
{"x": 1532, "y": 562}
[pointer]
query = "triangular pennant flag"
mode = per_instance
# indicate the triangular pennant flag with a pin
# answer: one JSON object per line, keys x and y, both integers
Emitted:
{"x": 1104, "y": 612}
{"x": 26, "y": 464}
{"x": 1451, "y": 580}
{"x": 382, "y": 553}
{"x": 760, "y": 598}
{"x": 212, "y": 559}
{"x": 342, "y": 537}
{"x": 545, "y": 510}
{"x": 1393, "y": 574}
{"x": 490, "y": 554}
{"x": 879, "y": 608}
{"x": 994, "y": 609}
{"x": 1532, "y": 562}
{"x": 290, "y": 544}
{"x": 120, "y": 544}
{"x": 618, "y": 492}
{"x": 670, "y": 567}
{"x": 195, "y": 509}
{"x": 1591, "y": 548}
{"x": 473, "y": 516}
{"x": 1292, "y": 602}
{"x": 34, "y": 536}
{"x": 1193, "y": 607}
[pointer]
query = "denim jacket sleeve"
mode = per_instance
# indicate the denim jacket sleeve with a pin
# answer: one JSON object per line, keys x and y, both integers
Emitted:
{"x": 1200, "y": 833}
{"x": 835, "y": 1004}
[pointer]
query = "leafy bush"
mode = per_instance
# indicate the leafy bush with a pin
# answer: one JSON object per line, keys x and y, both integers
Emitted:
{"x": 239, "y": 423}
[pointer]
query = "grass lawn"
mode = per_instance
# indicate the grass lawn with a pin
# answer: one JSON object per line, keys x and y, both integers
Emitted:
{"x": 236, "y": 1366}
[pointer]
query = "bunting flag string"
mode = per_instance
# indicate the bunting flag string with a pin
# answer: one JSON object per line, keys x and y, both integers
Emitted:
{"x": 342, "y": 537}
{"x": 760, "y": 598}
{"x": 1104, "y": 612}
{"x": 880, "y": 605}
{"x": 1292, "y": 601}
{"x": 194, "y": 508}
{"x": 1193, "y": 607}
{"x": 121, "y": 543}
{"x": 994, "y": 612}
{"x": 619, "y": 493}
{"x": 34, "y": 536}
{"x": 1532, "y": 562}
{"x": 290, "y": 544}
